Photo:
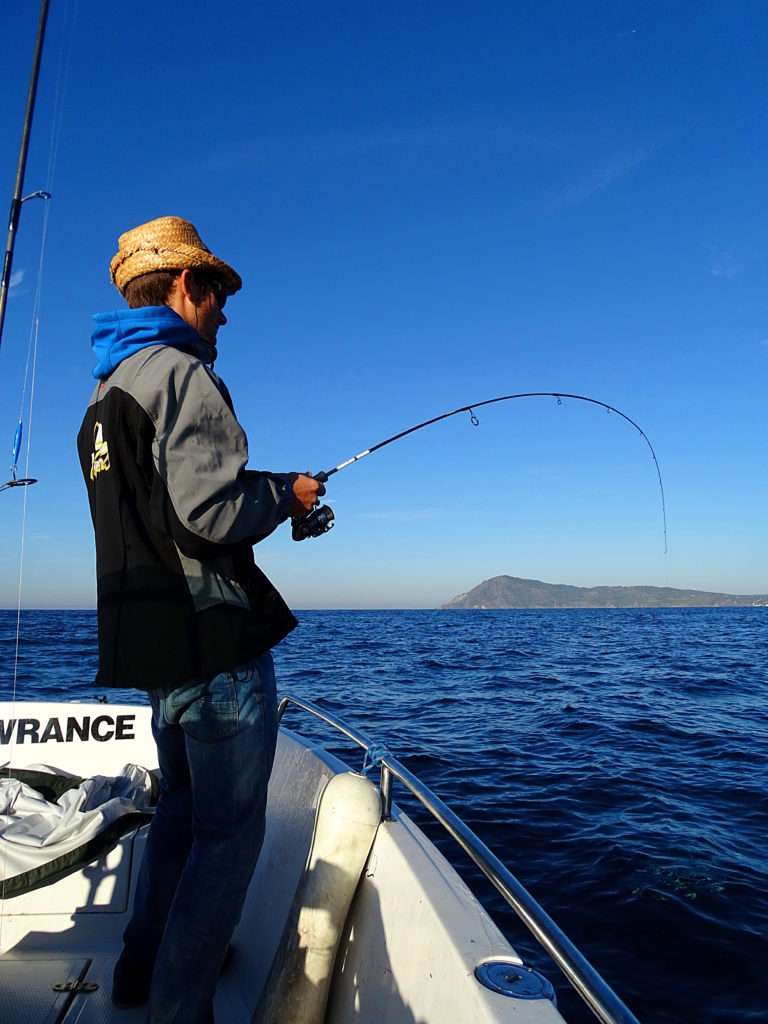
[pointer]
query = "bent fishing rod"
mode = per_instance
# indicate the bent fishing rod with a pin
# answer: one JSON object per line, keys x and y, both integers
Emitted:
{"x": 321, "y": 519}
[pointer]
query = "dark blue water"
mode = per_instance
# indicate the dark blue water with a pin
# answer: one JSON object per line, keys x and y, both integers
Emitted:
{"x": 617, "y": 761}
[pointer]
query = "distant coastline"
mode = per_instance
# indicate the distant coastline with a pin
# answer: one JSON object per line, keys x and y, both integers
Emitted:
{"x": 516, "y": 592}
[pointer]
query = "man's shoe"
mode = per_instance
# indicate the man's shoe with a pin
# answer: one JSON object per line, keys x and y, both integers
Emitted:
{"x": 130, "y": 988}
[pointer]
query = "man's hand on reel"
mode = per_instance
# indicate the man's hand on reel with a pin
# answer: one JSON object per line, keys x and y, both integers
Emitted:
{"x": 307, "y": 492}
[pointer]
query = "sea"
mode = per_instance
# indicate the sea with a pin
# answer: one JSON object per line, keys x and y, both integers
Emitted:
{"x": 616, "y": 760}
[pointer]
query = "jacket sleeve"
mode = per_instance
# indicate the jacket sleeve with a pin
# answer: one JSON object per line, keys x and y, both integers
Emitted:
{"x": 200, "y": 452}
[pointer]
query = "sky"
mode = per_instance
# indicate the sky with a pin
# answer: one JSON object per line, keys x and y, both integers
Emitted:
{"x": 430, "y": 205}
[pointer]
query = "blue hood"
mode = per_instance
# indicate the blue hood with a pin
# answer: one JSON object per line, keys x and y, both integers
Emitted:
{"x": 126, "y": 331}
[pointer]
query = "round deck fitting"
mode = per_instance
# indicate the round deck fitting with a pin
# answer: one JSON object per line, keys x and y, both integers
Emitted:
{"x": 514, "y": 980}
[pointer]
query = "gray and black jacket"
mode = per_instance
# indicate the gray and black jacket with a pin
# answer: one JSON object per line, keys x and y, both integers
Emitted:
{"x": 175, "y": 512}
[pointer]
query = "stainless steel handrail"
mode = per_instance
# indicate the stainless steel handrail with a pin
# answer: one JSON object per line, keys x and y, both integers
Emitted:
{"x": 593, "y": 989}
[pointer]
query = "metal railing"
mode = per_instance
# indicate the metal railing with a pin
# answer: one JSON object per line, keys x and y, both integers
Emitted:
{"x": 582, "y": 976}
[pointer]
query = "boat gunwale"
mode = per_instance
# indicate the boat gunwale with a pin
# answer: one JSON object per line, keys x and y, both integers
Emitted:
{"x": 604, "y": 1003}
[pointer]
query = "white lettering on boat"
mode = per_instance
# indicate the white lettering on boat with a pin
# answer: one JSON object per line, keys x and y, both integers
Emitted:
{"x": 59, "y": 730}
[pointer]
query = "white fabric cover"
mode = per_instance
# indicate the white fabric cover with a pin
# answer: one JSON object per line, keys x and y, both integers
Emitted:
{"x": 34, "y": 831}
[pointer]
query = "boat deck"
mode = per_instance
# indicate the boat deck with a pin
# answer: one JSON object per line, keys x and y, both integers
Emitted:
{"x": 30, "y": 996}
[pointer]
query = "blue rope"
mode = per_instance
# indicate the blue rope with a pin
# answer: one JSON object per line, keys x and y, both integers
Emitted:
{"x": 373, "y": 757}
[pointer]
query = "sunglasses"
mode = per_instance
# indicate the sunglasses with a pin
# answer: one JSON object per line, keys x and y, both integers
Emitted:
{"x": 219, "y": 291}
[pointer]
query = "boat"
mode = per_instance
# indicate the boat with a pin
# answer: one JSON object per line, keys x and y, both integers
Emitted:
{"x": 352, "y": 914}
{"x": 414, "y": 945}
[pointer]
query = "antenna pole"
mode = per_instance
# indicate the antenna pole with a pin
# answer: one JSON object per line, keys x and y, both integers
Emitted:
{"x": 18, "y": 199}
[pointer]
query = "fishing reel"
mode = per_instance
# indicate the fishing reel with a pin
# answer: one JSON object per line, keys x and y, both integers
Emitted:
{"x": 318, "y": 522}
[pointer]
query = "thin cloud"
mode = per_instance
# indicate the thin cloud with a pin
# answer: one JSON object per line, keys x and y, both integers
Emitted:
{"x": 723, "y": 263}
{"x": 603, "y": 176}
{"x": 605, "y": 170}
{"x": 416, "y": 515}
{"x": 17, "y": 278}
{"x": 472, "y": 132}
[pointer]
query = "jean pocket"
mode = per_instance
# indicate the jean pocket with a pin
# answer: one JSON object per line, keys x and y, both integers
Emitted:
{"x": 215, "y": 714}
{"x": 246, "y": 674}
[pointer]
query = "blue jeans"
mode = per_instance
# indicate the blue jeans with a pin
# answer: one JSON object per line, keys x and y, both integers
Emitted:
{"x": 216, "y": 744}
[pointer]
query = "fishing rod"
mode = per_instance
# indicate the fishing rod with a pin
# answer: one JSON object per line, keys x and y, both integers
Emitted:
{"x": 321, "y": 519}
{"x": 18, "y": 197}
{"x": 17, "y": 202}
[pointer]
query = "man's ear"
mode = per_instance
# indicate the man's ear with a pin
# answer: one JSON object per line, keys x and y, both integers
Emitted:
{"x": 188, "y": 287}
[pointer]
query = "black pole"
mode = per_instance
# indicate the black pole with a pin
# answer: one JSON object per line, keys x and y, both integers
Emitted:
{"x": 16, "y": 202}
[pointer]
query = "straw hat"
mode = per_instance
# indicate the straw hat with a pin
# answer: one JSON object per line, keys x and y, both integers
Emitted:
{"x": 167, "y": 243}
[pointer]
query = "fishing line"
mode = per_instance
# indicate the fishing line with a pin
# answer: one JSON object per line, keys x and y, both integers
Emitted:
{"x": 30, "y": 369}
{"x": 321, "y": 519}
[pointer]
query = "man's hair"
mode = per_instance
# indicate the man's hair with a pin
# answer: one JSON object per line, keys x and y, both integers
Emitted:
{"x": 150, "y": 289}
{"x": 154, "y": 288}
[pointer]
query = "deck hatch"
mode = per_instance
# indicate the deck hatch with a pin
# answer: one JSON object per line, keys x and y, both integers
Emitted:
{"x": 29, "y": 995}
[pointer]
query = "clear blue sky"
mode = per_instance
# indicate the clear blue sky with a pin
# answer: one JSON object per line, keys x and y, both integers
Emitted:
{"x": 430, "y": 204}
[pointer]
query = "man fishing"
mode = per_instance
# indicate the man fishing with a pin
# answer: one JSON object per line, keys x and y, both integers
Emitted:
{"x": 183, "y": 611}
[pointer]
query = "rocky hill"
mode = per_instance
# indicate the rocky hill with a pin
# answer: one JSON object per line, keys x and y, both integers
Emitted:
{"x": 514, "y": 592}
